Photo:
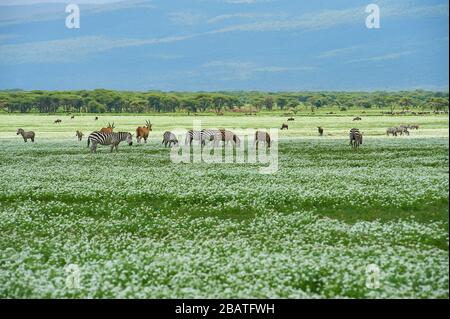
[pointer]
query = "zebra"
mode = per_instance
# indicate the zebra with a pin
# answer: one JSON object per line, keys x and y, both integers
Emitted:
{"x": 356, "y": 138}
{"x": 226, "y": 136}
{"x": 391, "y": 130}
{"x": 402, "y": 129}
{"x": 26, "y": 135}
{"x": 203, "y": 136}
{"x": 112, "y": 139}
{"x": 262, "y": 137}
{"x": 169, "y": 138}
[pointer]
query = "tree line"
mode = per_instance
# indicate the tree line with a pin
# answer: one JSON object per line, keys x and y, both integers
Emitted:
{"x": 109, "y": 101}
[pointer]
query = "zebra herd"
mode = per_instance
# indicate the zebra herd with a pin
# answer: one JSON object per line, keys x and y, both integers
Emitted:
{"x": 401, "y": 129}
{"x": 204, "y": 136}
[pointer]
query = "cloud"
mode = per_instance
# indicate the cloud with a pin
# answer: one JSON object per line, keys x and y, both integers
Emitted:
{"x": 245, "y": 15}
{"x": 244, "y": 70}
{"x": 333, "y": 18}
{"x": 34, "y": 2}
{"x": 56, "y": 10}
{"x": 71, "y": 50}
{"x": 384, "y": 57}
{"x": 336, "y": 52}
{"x": 186, "y": 18}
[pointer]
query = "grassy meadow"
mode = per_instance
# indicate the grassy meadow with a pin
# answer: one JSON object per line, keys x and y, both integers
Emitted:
{"x": 138, "y": 225}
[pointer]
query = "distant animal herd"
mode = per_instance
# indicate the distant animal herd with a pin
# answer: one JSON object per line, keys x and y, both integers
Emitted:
{"x": 107, "y": 136}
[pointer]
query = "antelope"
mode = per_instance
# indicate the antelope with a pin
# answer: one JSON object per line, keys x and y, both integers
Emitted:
{"x": 143, "y": 132}
{"x": 96, "y": 118}
{"x": 79, "y": 134}
{"x": 57, "y": 121}
{"x": 357, "y": 118}
{"x": 284, "y": 127}
{"x": 291, "y": 119}
{"x": 72, "y": 117}
{"x": 108, "y": 129}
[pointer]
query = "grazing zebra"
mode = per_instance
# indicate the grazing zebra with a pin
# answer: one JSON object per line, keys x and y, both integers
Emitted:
{"x": 202, "y": 136}
{"x": 26, "y": 135}
{"x": 402, "y": 129}
{"x": 262, "y": 137}
{"x": 226, "y": 136}
{"x": 356, "y": 138}
{"x": 79, "y": 134}
{"x": 391, "y": 130}
{"x": 112, "y": 139}
{"x": 169, "y": 138}
{"x": 320, "y": 129}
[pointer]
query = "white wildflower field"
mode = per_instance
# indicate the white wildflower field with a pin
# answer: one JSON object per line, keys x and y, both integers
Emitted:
{"x": 135, "y": 225}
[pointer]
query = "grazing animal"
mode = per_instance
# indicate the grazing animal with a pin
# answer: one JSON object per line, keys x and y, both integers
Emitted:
{"x": 57, "y": 121}
{"x": 391, "y": 130}
{"x": 262, "y": 137}
{"x": 143, "y": 132}
{"x": 320, "y": 129}
{"x": 108, "y": 129}
{"x": 72, "y": 117}
{"x": 226, "y": 137}
{"x": 203, "y": 136}
{"x": 291, "y": 119}
{"x": 79, "y": 134}
{"x": 357, "y": 118}
{"x": 169, "y": 138}
{"x": 402, "y": 129}
{"x": 356, "y": 138}
{"x": 284, "y": 126}
{"x": 112, "y": 139}
{"x": 26, "y": 135}
{"x": 96, "y": 118}
{"x": 414, "y": 127}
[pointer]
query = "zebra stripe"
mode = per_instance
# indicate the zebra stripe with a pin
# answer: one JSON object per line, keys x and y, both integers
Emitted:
{"x": 169, "y": 138}
{"x": 356, "y": 138}
{"x": 203, "y": 136}
{"x": 112, "y": 139}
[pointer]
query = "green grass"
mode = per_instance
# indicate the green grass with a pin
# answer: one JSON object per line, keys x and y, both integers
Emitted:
{"x": 140, "y": 226}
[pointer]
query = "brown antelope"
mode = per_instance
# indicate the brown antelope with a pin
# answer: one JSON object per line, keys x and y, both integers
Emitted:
{"x": 291, "y": 119}
{"x": 57, "y": 121}
{"x": 108, "y": 129}
{"x": 357, "y": 118}
{"x": 284, "y": 127}
{"x": 143, "y": 132}
{"x": 79, "y": 134}
{"x": 72, "y": 117}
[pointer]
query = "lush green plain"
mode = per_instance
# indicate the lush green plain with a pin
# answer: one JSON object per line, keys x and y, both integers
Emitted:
{"x": 138, "y": 225}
